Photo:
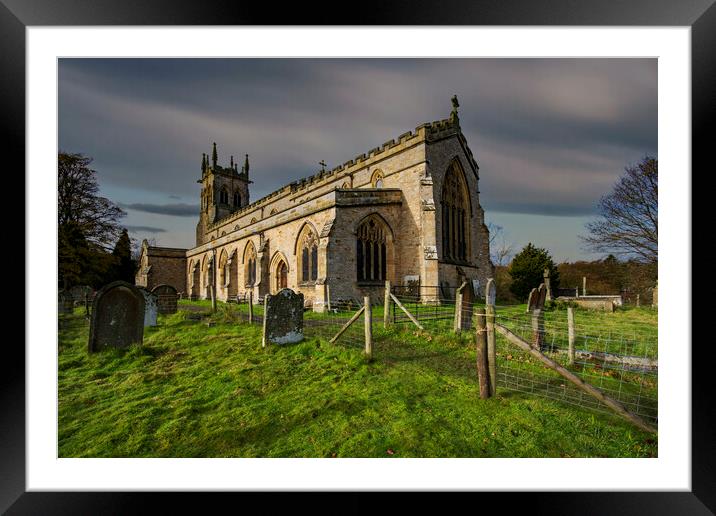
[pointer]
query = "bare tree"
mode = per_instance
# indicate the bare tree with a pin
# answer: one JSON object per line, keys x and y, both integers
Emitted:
{"x": 628, "y": 216}
{"x": 500, "y": 250}
{"x": 79, "y": 205}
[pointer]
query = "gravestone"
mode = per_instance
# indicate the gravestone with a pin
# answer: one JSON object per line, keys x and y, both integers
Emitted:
{"x": 117, "y": 317}
{"x": 150, "y": 307}
{"x": 65, "y": 302}
{"x": 490, "y": 292}
{"x": 412, "y": 284}
{"x": 464, "y": 298}
{"x": 531, "y": 300}
{"x": 167, "y": 298}
{"x": 283, "y": 317}
{"x": 476, "y": 286}
{"x": 80, "y": 293}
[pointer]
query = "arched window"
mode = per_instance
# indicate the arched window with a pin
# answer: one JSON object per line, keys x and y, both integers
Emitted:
{"x": 455, "y": 215}
{"x": 224, "y": 196}
{"x": 250, "y": 265}
{"x": 377, "y": 180}
{"x": 371, "y": 251}
{"x": 307, "y": 254}
{"x": 237, "y": 200}
{"x": 281, "y": 276}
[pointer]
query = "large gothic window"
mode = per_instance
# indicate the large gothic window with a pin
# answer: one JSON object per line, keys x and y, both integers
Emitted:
{"x": 250, "y": 265}
{"x": 455, "y": 215}
{"x": 224, "y": 196}
{"x": 371, "y": 251}
{"x": 307, "y": 254}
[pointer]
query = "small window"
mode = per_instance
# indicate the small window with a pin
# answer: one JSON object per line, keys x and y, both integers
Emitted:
{"x": 308, "y": 255}
{"x": 377, "y": 179}
{"x": 224, "y": 196}
{"x": 237, "y": 200}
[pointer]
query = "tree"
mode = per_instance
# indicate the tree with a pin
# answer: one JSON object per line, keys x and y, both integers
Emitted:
{"x": 628, "y": 216}
{"x": 87, "y": 224}
{"x": 124, "y": 266}
{"x": 527, "y": 270}
{"x": 79, "y": 204}
{"x": 500, "y": 250}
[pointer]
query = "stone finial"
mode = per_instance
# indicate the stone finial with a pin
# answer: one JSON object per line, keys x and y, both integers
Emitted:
{"x": 455, "y": 105}
{"x": 203, "y": 163}
{"x": 231, "y": 164}
{"x": 214, "y": 157}
{"x": 246, "y": 165}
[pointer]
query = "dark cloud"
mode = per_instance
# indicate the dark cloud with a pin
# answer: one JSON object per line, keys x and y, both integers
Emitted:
{"x": 176, "y": 210}
{"x": 551, "y": 136}
{"x": 145, "y": 229}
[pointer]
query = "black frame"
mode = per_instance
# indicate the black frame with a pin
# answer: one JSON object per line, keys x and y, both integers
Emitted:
{"x": 15, "y": 15}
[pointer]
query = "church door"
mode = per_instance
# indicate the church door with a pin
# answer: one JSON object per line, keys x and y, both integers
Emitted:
{"x": 281, "y": 276}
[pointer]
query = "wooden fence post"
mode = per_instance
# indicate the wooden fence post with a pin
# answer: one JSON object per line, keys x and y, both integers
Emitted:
{"x": 570, "y": 332}
{"x": 368, "y": 328}
{"x": 386, "y": 305}
{"x": 213, "y": 298}
{"x": 538, "y": 329}
{"x": 491, "y": 348}
{"x": 457, "y": 320}
{"x": 251, "y": 306}
{"x": 328, "y": 296}
{"x": 263, "y": 333}
{"x": 482, "y": 366}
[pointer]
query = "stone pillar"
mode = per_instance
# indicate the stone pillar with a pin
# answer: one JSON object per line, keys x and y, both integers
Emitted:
{"x": 320, "y": 303}
{"x": 262, "y": 285}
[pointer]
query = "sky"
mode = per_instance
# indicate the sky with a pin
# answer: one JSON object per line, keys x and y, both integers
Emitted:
{"x": 551, "y": 136}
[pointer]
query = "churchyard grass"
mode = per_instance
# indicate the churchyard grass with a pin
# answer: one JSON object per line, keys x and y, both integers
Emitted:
{"x": 195, "y": 390}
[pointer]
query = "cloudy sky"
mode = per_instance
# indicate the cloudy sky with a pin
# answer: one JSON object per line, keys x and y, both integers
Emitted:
{"x": 551, "y": 136}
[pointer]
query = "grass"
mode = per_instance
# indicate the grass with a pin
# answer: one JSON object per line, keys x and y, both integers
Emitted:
{"x": 197, "y": 391}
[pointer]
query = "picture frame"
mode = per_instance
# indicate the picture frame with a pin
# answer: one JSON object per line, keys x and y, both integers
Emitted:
{"x": 16, "y": 16}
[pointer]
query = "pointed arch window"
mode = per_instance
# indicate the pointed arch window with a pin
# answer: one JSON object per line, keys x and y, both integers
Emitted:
{"x": 307, "y": 254}
{"x": 223, "y": 196}
{"x": 237, "y": 200}
{"x": 371, "y": 251}
{"x": 455, "y": 215}
{"x": 377, "y": 179}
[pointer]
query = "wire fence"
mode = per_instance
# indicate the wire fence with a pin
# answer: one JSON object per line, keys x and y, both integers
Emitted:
{"x": 616, "y": 355}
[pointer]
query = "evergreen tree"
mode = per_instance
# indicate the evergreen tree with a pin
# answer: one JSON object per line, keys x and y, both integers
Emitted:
{"x": 124, "y": 266}
{"x": 527, "y": 270}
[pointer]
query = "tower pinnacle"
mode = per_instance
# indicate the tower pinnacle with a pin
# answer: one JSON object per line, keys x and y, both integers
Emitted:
{"x": 214, "y": 157}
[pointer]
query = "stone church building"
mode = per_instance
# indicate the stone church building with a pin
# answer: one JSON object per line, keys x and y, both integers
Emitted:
{"x": 406, "y": 211}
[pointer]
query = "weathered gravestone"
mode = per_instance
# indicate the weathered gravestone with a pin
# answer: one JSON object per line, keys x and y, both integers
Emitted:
{"x": 283, "y": 317}
{"x": 65, "y": 302}
{"x": 117, "y": 317}
{"x": 531, "y": 300}
{"x": 464, "y": 298}
{"x": 490, "y": 292}
{"x": 166, "y": 299}
{"x": 150, "y": 307}
{"x": 547, "y": 285}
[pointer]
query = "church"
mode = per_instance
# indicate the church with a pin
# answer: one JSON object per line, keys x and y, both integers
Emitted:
{"x": 407, "y": 211}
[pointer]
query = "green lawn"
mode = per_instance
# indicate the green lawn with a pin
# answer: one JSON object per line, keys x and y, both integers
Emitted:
{"x": 197, "y": 391}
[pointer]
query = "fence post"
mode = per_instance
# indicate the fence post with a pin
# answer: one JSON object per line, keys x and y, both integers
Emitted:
{"x": 263, "y": 333}
{"x": 213, "y": 298}
{"x": 637, "y": 299}
{"x": 457, "y": 320}
{"x": 538, "y": 329}
{"x": 386, "y": 305}
{"x": 570, "y": 330}
{"x": 328, "y": 295}
{"x": 251, "y": 306}
{"x": 482, "y": 366}
{"x": 368, "y": 328}
{"x": 491, "y": 348}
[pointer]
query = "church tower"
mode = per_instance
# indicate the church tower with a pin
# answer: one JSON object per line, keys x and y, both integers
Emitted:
{"x": 224, "y": 190}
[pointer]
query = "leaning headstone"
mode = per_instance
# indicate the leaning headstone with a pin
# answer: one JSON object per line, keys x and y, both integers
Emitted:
{"x": 283, "y": 317}
{"x": 117, "y": 317}
{"x": 531, "y": 300}
{"x": 541, "y": 297}
{"x": 166, "y": 299}
{"x": 150, "y": 307}
{"x": 65, "y": 302}
{"x": 464, "y": 298}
